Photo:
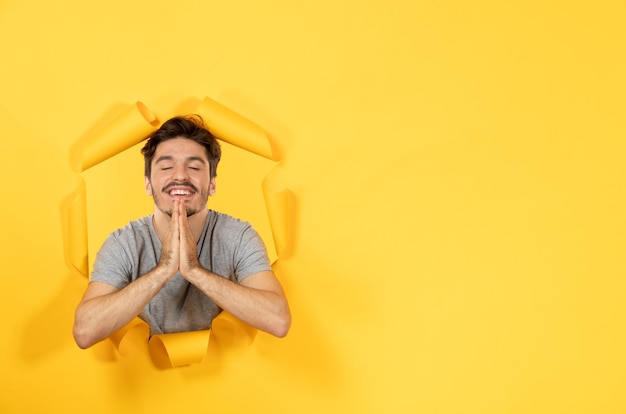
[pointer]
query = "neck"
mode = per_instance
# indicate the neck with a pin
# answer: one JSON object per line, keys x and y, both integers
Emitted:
{"x": 161, "y": 222}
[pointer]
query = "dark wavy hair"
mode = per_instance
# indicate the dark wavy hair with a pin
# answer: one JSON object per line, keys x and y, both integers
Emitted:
{"x": 190, "y": 127}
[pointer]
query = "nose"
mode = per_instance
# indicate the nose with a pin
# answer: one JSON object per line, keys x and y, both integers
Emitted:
{"x": 180, "y": 173}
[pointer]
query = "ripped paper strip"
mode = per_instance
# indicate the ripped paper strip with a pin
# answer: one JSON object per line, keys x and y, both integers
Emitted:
{"x": 183, "y": 348}
{"x": 179, "y": 349}
{"x": 132, "y": 126}
{"x": 75, "y": 229}
{"x": 280, "y": 208}
{"x": 233, "y": 128}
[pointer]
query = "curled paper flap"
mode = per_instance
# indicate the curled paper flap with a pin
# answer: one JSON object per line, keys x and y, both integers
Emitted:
{"x": 279, "y": 208}
{"x": 233, "y": 128}
{"x": 75, "y": 223}
{"x": 230, "y": 330}
{"x": 129, "y": 128}
{"x": 178, "y": 349}
{"x": 182, "y": 348}
{"x": 136, "y": 331}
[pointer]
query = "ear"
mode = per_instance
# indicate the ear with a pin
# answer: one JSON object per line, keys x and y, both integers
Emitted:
{"x": 148, "y": 186}
{"x": 212, "y": 187}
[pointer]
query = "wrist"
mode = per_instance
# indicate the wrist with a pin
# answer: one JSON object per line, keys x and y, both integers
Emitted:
{"x": 193, "y": 273}
{"x": 165, "y": 271}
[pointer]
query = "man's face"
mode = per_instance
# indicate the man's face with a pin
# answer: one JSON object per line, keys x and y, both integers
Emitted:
{"x": 180, "y": 170}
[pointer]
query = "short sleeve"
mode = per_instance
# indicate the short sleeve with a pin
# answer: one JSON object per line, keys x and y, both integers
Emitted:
{"x": 112, "y": 264}
{"x": 251, "y": 255}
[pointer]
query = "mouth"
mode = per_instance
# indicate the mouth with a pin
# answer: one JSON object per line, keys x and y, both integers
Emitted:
{"x": 180, "y": 192}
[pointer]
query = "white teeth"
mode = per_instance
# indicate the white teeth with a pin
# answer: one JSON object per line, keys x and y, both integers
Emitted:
{"x": 180, "y": 192}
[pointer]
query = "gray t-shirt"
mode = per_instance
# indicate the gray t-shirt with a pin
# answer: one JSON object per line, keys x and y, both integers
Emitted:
{"x": 227, "y": 247}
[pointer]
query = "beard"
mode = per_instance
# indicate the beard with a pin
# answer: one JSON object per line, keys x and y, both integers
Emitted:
{"x": 165, "y": 206}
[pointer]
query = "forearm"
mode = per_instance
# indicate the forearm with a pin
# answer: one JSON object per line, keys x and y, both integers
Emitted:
{"x": 266, "y": 310}
{"x": 100, "y": 315}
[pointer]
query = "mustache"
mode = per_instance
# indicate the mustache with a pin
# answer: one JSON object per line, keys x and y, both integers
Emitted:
{"x": 180, "y": 184}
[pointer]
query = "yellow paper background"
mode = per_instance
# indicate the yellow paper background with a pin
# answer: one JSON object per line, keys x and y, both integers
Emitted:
{"x": 457, "y": 171}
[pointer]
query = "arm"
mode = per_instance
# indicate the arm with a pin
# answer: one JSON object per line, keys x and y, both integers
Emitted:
{"x": 105, "y": 309}
{"x": 259, "y": 300}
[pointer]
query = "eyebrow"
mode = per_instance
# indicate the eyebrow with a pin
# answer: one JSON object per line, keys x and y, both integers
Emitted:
{"x": 199, "y": 159}
{"x": 170, "y": 158}
{"x": 164, "y": 158}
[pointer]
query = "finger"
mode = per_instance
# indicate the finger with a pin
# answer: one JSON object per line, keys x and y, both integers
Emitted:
{"x": 185, "y": 229}
{"x": 175, "y": 220}
{"x": 184, "y": 221}
{"x": 179, "y": 217}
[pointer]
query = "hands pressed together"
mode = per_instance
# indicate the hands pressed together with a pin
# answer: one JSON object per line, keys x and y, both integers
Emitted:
{"x": 179, "y": 253}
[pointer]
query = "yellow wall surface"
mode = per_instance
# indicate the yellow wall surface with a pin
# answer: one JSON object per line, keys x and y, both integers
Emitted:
{"x": 458, "y": 176}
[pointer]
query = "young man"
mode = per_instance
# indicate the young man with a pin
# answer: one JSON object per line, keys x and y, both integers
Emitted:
{"x": 179, "y": 267}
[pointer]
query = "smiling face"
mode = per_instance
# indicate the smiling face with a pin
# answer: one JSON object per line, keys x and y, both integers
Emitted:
{"x": 180, "y": 170}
